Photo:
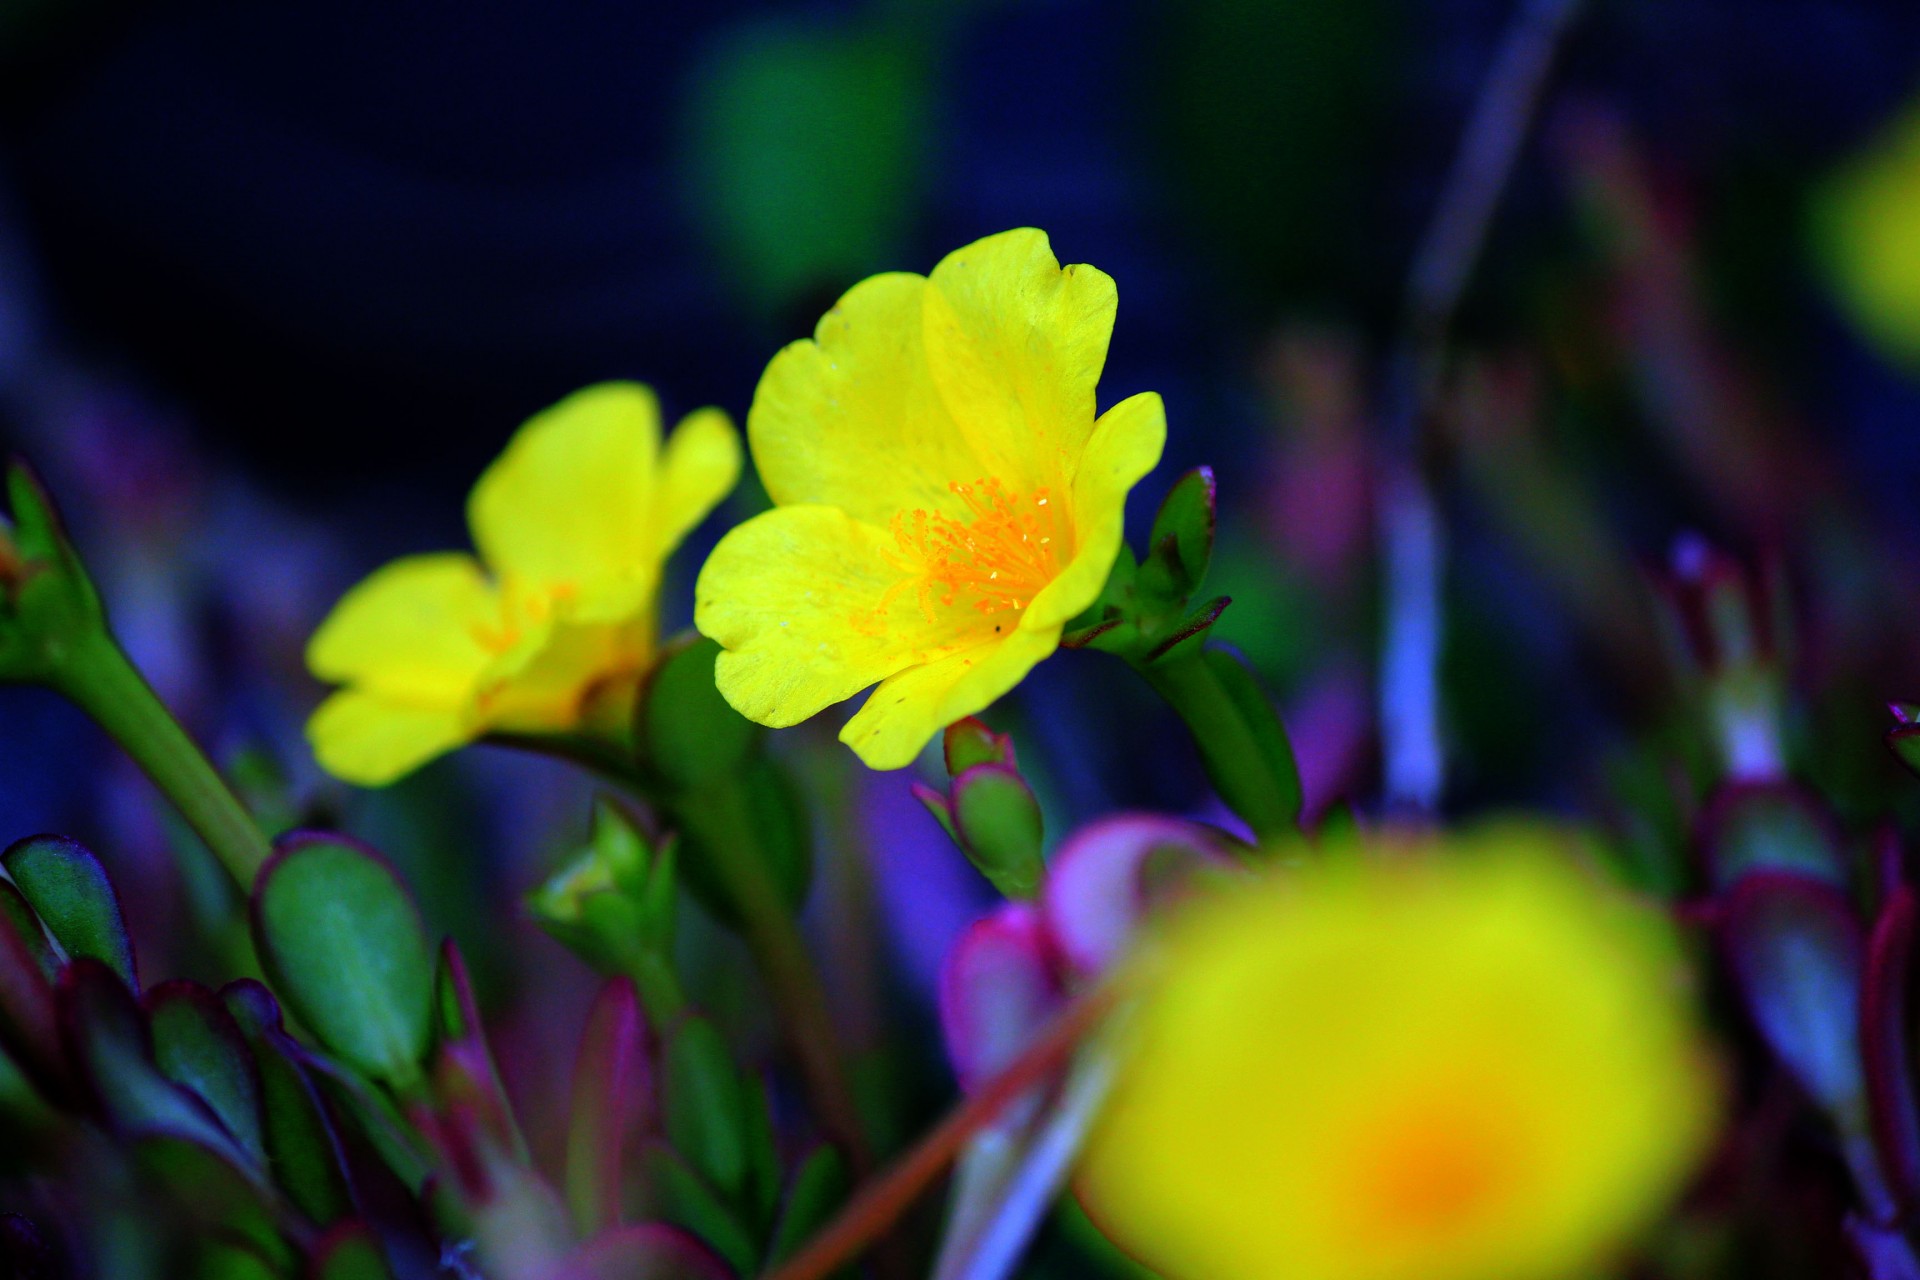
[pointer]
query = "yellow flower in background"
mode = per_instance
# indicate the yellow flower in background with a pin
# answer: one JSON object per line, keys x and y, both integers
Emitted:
{"x": 945, "y": 497}
{"x": 551, "y": 628}
{"x": 1868, "y": 226}
{"x": 1473, "y": 1062}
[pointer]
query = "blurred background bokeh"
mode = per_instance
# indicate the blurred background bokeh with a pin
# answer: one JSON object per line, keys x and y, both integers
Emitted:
{"x": 277, "y": 280}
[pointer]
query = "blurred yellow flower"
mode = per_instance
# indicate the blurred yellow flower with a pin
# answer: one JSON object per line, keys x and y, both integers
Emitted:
{"x": 1868, "y": 226}
{"x": 551, "y": 628}
{"x": 1473, "y": 1062}
{"x": 946, "y": 499}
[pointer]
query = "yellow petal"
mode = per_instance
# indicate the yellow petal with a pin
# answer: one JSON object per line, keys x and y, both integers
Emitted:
{"x": 850, "y": 418}
{"x": 1015, "y": 344}
{"x": 555, "y": 684}
{"x": 411, "y": 630}
{"x": 1124, "y": 447}
{"x": 810, "y": 610}
{"x": 698, "y": 468}
{"x": 909, "y": 708}
{"x": 567, "y": 508}
{"x": 370, "y": 741}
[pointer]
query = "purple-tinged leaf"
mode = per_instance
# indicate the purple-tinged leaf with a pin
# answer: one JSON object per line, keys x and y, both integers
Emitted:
{"x": 70, "y": 892}
{"x": 1110, "y": 874}
{"x": 107, "y": 1039}
{"x": 644, "y": 1251}
{"x": 20, "y": 918}
{"x": 1794, "y": 946}
{"x": 1884, "y": 1252}
{"x": 1885, "y": 1050}
{"x": 29, "y": 1026}
{"x": 999, "y": 986}
{"x": 612, "y": 1096}
{"x": 350, "y": 1251}
{"x": 459, "y": 1029}
{"x": 1750, "y": 827}
{"x": 303, "y": 1150}
{"x": 197, "y": 1044}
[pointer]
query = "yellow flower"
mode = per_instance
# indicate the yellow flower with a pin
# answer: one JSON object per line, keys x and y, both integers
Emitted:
{"x": 1473, "y": 1062}
{"x": 551, "y": 628}
{"x": 1869, "y": 232}
{"x": 946, "y": 499}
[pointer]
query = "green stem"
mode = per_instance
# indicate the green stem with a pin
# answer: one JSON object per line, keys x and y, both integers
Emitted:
{"x": 721, "y": 816}
{"x": 1252, "y": 770}
{"x": 96, "y": 674}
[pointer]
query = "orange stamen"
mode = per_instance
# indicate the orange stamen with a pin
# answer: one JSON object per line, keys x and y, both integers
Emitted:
{"x": 999, "y": 559}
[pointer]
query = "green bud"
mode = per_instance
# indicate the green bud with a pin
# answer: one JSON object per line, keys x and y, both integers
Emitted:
{"x": 1181, "y": 544}
{"x": 998, "y": 824}
{"x": 613, "y": 903}
{"x": 970, "y": 742}
{"x": 47, "y": 601}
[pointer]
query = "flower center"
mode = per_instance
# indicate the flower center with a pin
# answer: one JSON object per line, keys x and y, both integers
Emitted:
{"x": 1437, "y": 1175}
{"x": 999, "y": 558}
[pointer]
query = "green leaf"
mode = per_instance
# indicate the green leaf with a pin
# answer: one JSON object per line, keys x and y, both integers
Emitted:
{"x": 69, "y": 890}
{"x": 108, "y": 1039}
{"x": 29, "y": 1025}
{"x": 761, "y": 810}
{"x": 688, "y": 735}
{"x": 350, "y": 1252}
{"x": 1263, "y": 722}
{"x": 25, "y": 927}
{"x": 213, "y": 1193}
{"x": 298, "y": 1135}
{"x": 702, "y": 1096}
{"x": 343, "y": 945}
{"x": 197, "y": 1043}
{"x": 687, "y": 1200}
{"x": 816, "y": 1191}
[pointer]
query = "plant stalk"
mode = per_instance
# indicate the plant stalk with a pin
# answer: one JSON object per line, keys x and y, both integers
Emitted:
{"x": 878, "y": 1205}
{"x": 97, "y": 675}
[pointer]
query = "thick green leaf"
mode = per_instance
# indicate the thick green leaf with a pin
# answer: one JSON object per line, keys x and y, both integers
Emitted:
{"x": 687, "y": 1200}
{"x": 213, "y": 1193}
{"x": 344, "y": 946}
{"x": 29, "y": 1028}
{"x": 69, "y": 890}
{"x": 107, "y": 1038}
{"x": 704, "y": 1115}
{"x": 688, "y": 735}
{"x": 760, "y": 809}
{"x": 817, "y": 1189}
{"x": 301, "y": 1149}
{"x": 1262, "y": 721}
{"x": 25, "y": 927}
{"x": 197, "y": 1043}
